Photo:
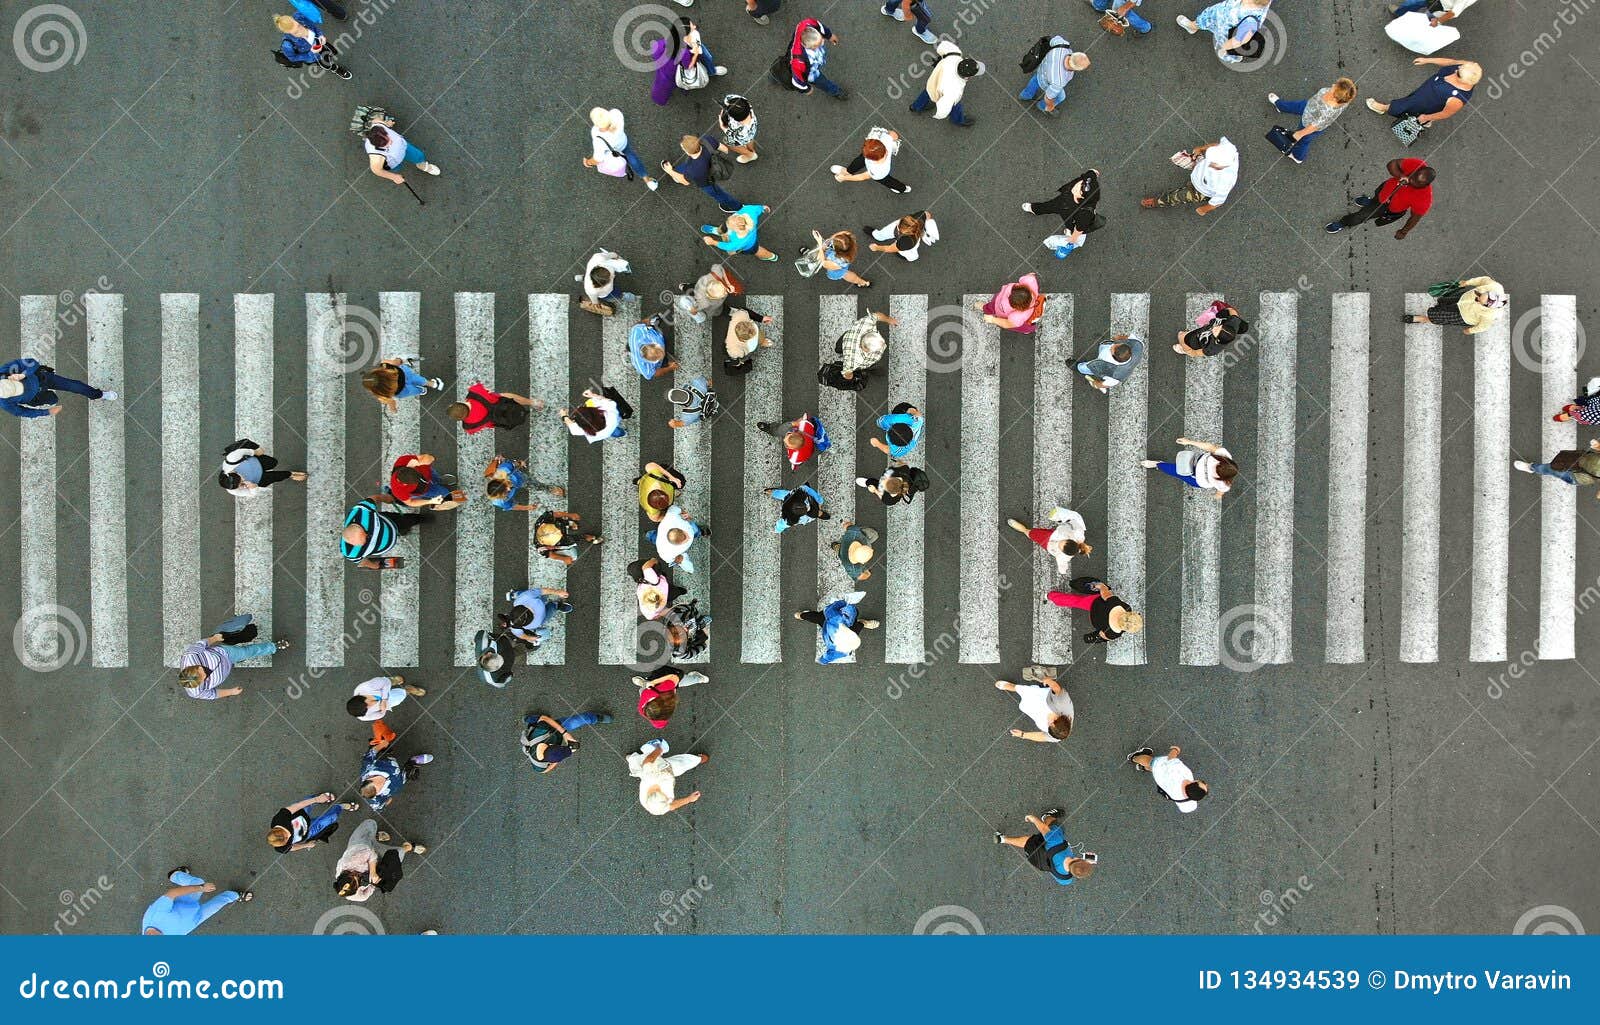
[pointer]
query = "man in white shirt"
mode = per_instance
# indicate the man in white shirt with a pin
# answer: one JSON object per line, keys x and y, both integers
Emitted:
{"x": 1211, "y": 180}
{"x": 1047, "y": 703}
{"x": 874, "y": 161}
{"x": 947, "y": 84}
{"x": 1062, "y": 541}
{"x": 674, "y": 536}
{"x": 1173, "y": 778}
{"x": 373, "y": 699}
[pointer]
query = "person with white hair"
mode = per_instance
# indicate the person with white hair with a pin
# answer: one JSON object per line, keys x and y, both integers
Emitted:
{"x": 612, "y": 151}
{"x": 1059, "y": 65}
{"x": 1471, "y": 304}
{"x": 1213, "y": 172}
{"x": 862, "y": 346}
{"x": 806, "y": 57}
{"x": 28, "y": 389}
{"x": 1444, "y": 95}
{"x": 657, "y": 772}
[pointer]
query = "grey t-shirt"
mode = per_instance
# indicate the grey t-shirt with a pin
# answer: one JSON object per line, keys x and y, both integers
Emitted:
{"x": 1105, "y": 368}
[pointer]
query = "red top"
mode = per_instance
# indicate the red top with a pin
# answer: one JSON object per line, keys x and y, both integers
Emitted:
{"x": 1406, "y": 198}
{"x": 797, "y": 456}
{"x": 479, "y": 399}
{"x": 400, "y": 490}
{"x": 655, "y": 690}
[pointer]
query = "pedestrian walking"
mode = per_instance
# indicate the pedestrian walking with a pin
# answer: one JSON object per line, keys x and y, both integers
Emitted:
{"x": 874, "y": 162}
{"x": 383, "y": 776}
{"x": 1110, "y": 616}
{"x": 1438, "y": 11}
{"x": 1200, "y": 464}
{"x": 415, "y": 485}
{"x": 1047, "y": 849}
{"x": 484, "y": 409}
{"x": 398, "y": 378}
{"x": 1057, "y": 64}
{"x": 739, "y": 234}
{"x": 947, "y": 85}
{"x": 611, "y": 151}
{"x": 496, "y": 653}
{"x": 1018, "y": 306}
{"x": 737, "y": 122}
{"x": 708, "y": 295}
{"x": 658, "y": 489}
{"x": 1075, "y": 204}
{"x": 556, "y": 536}
{"x": 529, "y": 620}
{"x": 674, "y": 537}
{"x": 1234, "y": 25}
{"x": 656, "y": 593}
{"x": 898, "y": 485}
{"x": 206, "y": 664}
{"x": 803, "y": 437}
{"x": 1408, "y": 192}
{"x": 692, "y": 403}
{"x": 602, "y": 285}
{"x": 1124, "y": 14}
{"x": 855, "y": 550}
{"x": 1585, "y": 408}
{"x": 373, "y": 698}
{"x": 658, "y": 772}
{"x": 293, "y": 828}
{"x": 806, "y": 57}
{"x": 917, "y": 10}
{"x": 370, "y": 863}
{"x": 683, "y": 63}
{"x": 600, "y": 416}
{"x": 388, "y": 151}
{"x": 505, "y": 477}
{"x": 1062, "y": 540}
{"x": 761, "y": 11}
{"x": 862, "y": 345}
{"x": 840, "y": 622}
{"x": 833, "y": 257}
{"x": 647, "y": 348}
{"x": 247, "y": 471}
{"x": 304, "y": 43}
{"x": 1444, "y": 95}
{"x": 688, "y": 630}
{"x": 1472, "y": 304}
{"x": 905, "y": 235}
{"x": 797, "y": 506}
{"x": 902, "y": 431}
{"x": 28, "y": 389}
{"x": 180, "y": 911}
{"x": 1573, "y": 466}
{"x": 1215, "y": 329}
{"x": 658, "y": 692}
{"x": 1316, "y": 114}
{"x": 548, "y": 742}
{"x": 368, "y": 534}
{"x": 1113, "y": 362}
{"x": 1213, "y": 172}
{"x": 702, "y": 167}
{"x": 1174, "y": 780}
{"x": 741, "y": 337}
{"x": 1043, "y": 700}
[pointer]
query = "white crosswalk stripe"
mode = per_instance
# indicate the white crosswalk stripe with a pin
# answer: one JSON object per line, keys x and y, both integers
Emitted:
{"x": 909, "y": 558}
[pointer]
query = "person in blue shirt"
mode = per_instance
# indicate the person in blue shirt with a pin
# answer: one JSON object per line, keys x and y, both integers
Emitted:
{"x": 1047, "y": 849}
{"x": 179, "y": 911}
{"x": 647, "y": 347}
{"x": 504, "y": 477}
{"x": 303, "y": 41}
{"x": 839, "y": 620}
{"x": 529, "y": 618}
{"x": 28, "y": 389}
{"x": 902, "y": 431}
{"x": 383, "y": 775}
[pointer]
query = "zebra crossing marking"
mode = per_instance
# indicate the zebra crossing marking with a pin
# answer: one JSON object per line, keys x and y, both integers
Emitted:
{"x": 108, "y": 487}
{"x": 399, "y": 590}
{"x": 980, "y": 484}
{"x": 549, "y": 371}
{"x": 326, "y": 491}
{"x": 1273, "y": 478}
{"x": 1199, "y": 642}
{"x": 1491, "y": 496}
{"x": 903, "y": 545}
{"x": 1349, "y": 343}
{"x": 1126, "y": 443}
{"x": 1558, "y": 505}
{"x": 180, "y": 473}
{"x": 619, "y": 509}
{"x": 1419, "y": 541}
{"x": 1052, "y": 470}
{"x": 836, "y": 468}
{"x": 761, "y": 611}
{"x": 474, "y": 522}
{"x": 253, "y": 416}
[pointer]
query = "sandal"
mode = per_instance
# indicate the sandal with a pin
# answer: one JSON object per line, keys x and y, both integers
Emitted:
{"x": 391, "y": 562}
{"x": 383, "y": 836}
{"x": 247, "y": 896}
{"x": 999, "y": 837}
{"x": 283, "y": 645}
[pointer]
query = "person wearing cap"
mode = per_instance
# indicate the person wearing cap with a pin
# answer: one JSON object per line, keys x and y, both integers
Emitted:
{"x": 608, "y": 137}
{"x": 1211, "y": 179}
{"x": 947, "y": 84}
{"x": 531, "y": 608}
{"x": 413, "y": 484}
{"x": 855, "y": 550}
{"x": 1043, "y": 700}
{"x": 1472, "y": 304}
{"x": 647, "y": 348}
{"x": 1110, "y": 616}
{"x": 656, "y": 593}
{"x": 556, "y": 536}
{"x": 28, "y": 389}
{"x": 1174, "y": 780}
{"x": 673, "y": 537}
{"x": 658, "y": 489}
{"x": 368, "y": 534}
{"x": 1060, "y": 66}
{"x": 495, "y": 654}
{"x": 902, "y": 431}
{"x": 1407, "y": 192}
{"x": 372, "y": 699}
{"x": 658, "y": 772}
{"x": 1047, "y": 849}
{"x": 1062, "y": 541}
{"x": 504, "y": 477}
{"x": 797, "y": 506}
{"x": 920, "y": 15}
{"x": 838, "y": 621}
{"x": 1113, "y": 362}
{"x": 692, "y": 403}
{"x": 548, "y": 742}
{"x": 874, "y": 162}
{"x": 803, "y": 437}
{"x": 658, "y": 692}
{"x": 179, "y": 911}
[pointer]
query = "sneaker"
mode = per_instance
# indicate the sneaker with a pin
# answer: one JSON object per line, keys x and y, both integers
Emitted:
{"x": 605, "y": 717}
{"x": 417, "y": 848}
{"x": 342, "y": 73}
{"x": 1273, "y": 98}
{"x": 1333, "y": 227}
{"x": 421, "y": 759}
{"x": 1148, "y": 464}
{"x": 436, "y": 383}
{"x": 565, "y": 607}
{"x": 720, "y": 71}
{"x": 651, "y": 184}
{"x": 896, "y": 13}
{"x": 1187, "y": 25}
{"x": 1053, "y": 813}
{"x": 511, "y": 596}
{"x": 765, "y": 427}
{"x": 727, "y": 209}
{"x": 837, "y": 169}
{"x": 869, "y": 624}
{"x": 1017, "y": 525}
{"x": 761, "y": 19}
{"x": 842, "y": 94}
{"x": 999, "y": 837}
{"x": 109, "y": 396}
{"x": 1027, "y": 208}
{"x": 926, "y": 36}
{"x": 382, "y": 836}
{"x": 416, "y": 692}
{"x": 968, "y": 123}
{"x": 426, "y": 168}
{"x": 1523, "y": 465}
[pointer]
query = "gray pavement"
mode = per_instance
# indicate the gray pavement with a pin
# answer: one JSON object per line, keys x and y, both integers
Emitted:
{"x": 169, "y": 154}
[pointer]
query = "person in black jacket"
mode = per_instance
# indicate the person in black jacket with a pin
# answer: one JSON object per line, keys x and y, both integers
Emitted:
{"x": 899, "y": 484}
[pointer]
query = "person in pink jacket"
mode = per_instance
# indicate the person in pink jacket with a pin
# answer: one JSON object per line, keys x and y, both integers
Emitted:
{"x": 1016, "y": 307}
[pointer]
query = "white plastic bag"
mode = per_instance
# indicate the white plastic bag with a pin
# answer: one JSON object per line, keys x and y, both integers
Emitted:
{"x": 1416, "y": 33}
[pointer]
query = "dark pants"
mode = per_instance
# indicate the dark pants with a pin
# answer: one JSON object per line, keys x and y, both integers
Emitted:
{"x": 270, "y": 476}
{"x": 49, "y": 381}
{"x": 888, "y": 181}
{"x": 1361, "y": 215}
{"x": 404, "y": 523}
{"x": 814, "y": 617}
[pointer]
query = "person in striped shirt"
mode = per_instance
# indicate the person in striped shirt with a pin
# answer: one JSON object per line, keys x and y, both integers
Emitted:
{"x": 369, "y": 533}
{"x": 206, "y": 664}
{"x": 1060, "y": 65}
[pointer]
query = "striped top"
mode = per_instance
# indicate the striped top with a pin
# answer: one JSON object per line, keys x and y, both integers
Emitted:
{"x": 380, "y": 530}
{"x": 216, "y": 663}
{"x": 1053, "y": 73}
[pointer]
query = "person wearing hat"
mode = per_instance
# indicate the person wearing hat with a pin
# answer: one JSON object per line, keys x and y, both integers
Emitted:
{"x": 655, "y": 592}
{"x": 1061, "y": 64}
{"x": 28, "y": 389}
{"x": 207, "y": 663}
{"x": 1110, "y": 616}
{"x": 947, "y": 84}
{"x": 548, "y": 742}
{"x": 803, "y": 437}
{"x": 608, "y": 139}
{"x": 1472, "y": 304}
{"x": 658, "y": 692}
{"x": 797, "y": 506}
{"x": 692, "y": 404}
{"x": 529, "y": 618}
{"x": 504, "y": 477}
{"x": 855, "y": 550}
{"x": 495, "y": 654}
{"x": 902, "y": 430}
{"x": 1047, "y": 849}
{"x": 1062, "y": 541}
{"x": 556, "y": 537}
{"x": 838, "y": 621}
{"x": 1044, "y": 701}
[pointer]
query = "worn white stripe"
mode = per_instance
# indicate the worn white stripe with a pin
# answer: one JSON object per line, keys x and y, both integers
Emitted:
{"x": 1202, "y": 513}
{"x": 1347, "y": 488}
{"x": 548, "y": 373}
{"x": 474, "y": 522}
{"x": 836, "y": 468}
{"x": 38, "y": 513}
{"x": 619, "y": 508}
{"x": 1491, "y": 498}
{"x": 1419, "y": 542}
{"x": 400, "y": 590}
{"x": 904, "y": 543}
{"x": 253, "y": 555}
{"x": 108, "y": 518}
{"x": 326, "y": 492}
{"x": 980, "y": 487}
{"x": 1053, "y": 361}
{"x": 691, "y": 455}
{"x": 1558, "y": 506}
{"x": 180, "y": 474}
{"x": 1273, "y": 478}
{"x": 1127, "y": 431}
{"x": 761, "y": 618}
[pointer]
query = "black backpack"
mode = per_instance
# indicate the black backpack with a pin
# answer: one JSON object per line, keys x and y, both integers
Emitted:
{"x": 278, "y": 56}
{"x": 832, "y": 375}
{"x": 721, "y": 168}
{"x": 1035, "y": 56}
{"x": 507, "y": 415}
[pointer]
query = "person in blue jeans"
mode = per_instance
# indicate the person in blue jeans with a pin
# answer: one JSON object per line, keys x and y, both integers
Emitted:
{"x": 293, "y": 828}
{"x": 207, "y": 663}
{"x": 1060, "y": 66}
{"x": 179, "y": 911}
{"x": 548, "y": 742}
{"x": 28, "y": 389}
{"x": 696, "y": 170}
{"x": 1316, "y": 114}
{"x": 1047, "y": 849}
{"x": 1574, "y": 466}
{"x": 921, "y": 17}
{"x": 1127, "y": 10}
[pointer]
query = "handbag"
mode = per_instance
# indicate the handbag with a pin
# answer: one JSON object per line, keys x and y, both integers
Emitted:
{"x": 1416, "y": 32}
{"x": 1281, "y": 138}
{"x": 1184, "y": 159}
{"x": 729, "y": 279}
{"x": 1407, "y": 129}
{"x": 1111, "y": 23}
{"x": 694, "y": 76}
{"x": 810, "y": 261}
{"x": 615, "y": 165}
